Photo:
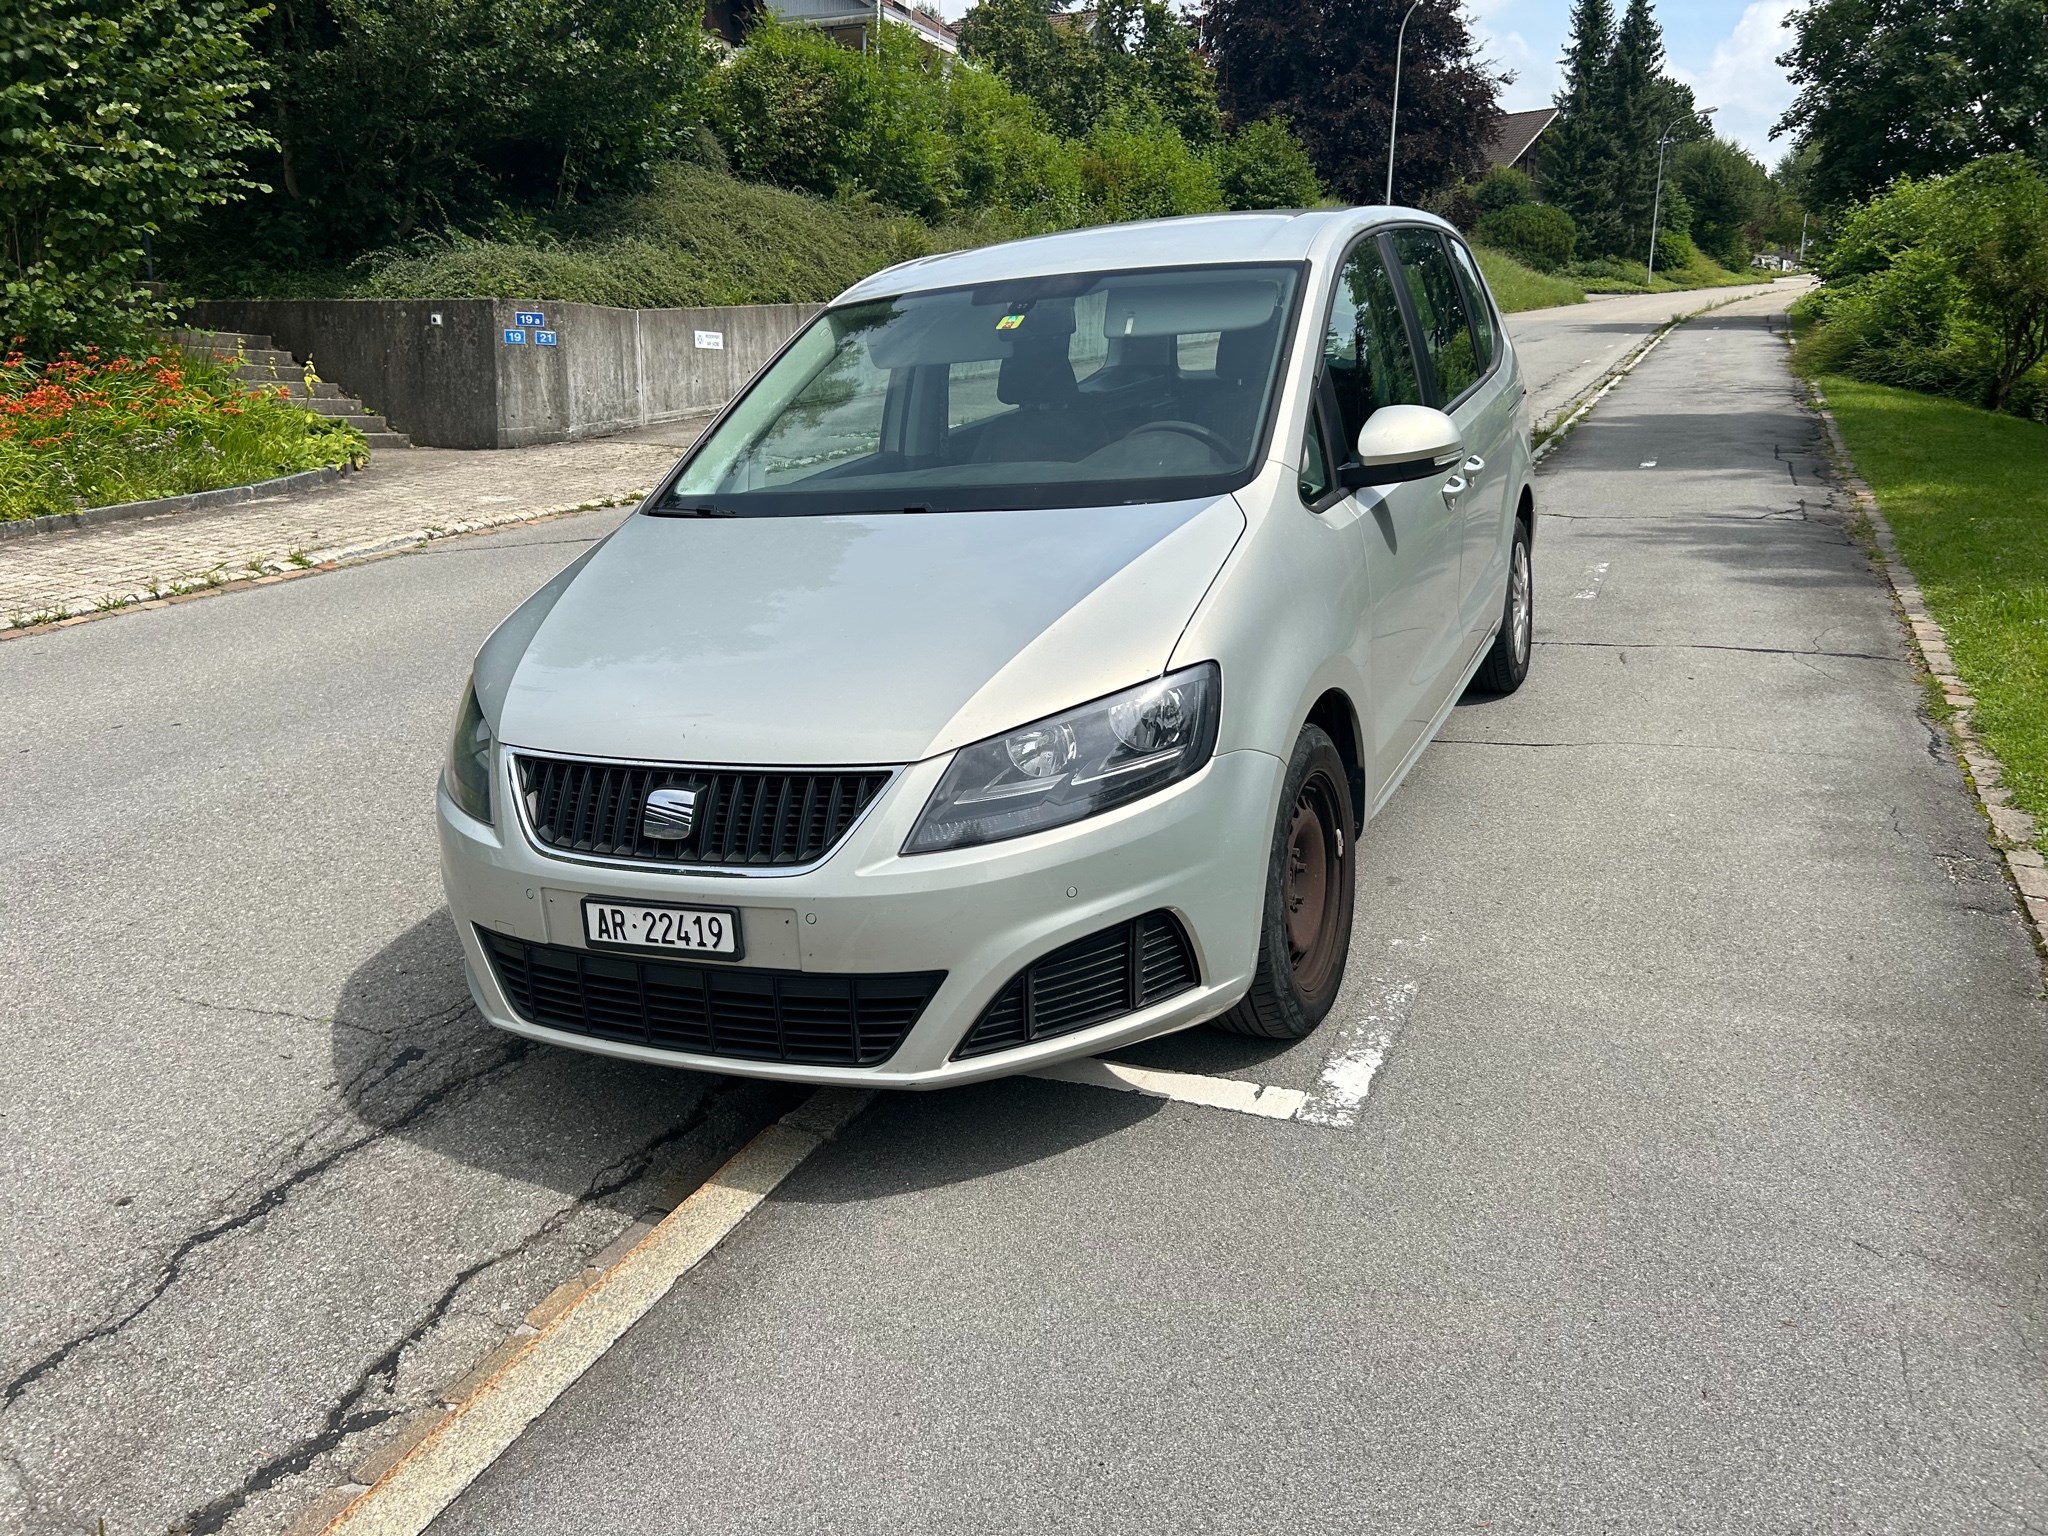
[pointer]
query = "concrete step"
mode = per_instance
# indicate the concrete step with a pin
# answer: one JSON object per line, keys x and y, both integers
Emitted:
{"x": 386, "y": 440}
{"x": 258, "y": 357}
{"x": 362, "y": 421}
{"x": 221, "y": 340}
{"x": 329, "y": 405}
{"x": 322, "y": 389}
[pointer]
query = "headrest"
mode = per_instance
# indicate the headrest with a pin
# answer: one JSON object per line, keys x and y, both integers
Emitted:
{"x": 1037, "y": 375}
{"x": 1242, "y": 357}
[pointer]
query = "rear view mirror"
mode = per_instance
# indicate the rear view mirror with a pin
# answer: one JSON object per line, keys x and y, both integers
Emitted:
{"x": 1403, "y": 442}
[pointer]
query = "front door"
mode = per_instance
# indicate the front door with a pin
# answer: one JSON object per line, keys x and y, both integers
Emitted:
{"x": 1406, "y": 535}
{"x": 1464, "y": 353}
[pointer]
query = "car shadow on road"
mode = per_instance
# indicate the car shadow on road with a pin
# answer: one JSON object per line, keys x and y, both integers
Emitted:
{"x": 413, "y": 1058}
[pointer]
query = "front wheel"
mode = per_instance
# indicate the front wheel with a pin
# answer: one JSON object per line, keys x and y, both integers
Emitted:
{"x": 1305, "y": 931}
{"x": 1508, "y": 662}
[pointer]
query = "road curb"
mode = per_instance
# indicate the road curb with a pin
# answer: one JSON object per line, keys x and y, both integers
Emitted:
{"x": 2013, "y": 830}
{"x": 167, "y": 506}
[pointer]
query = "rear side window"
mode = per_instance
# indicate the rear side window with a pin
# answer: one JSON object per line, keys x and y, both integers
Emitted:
{"x": 1441, "y": 307}
{"x": 1482, "y": 312}
{"x": 1366, "y": 356}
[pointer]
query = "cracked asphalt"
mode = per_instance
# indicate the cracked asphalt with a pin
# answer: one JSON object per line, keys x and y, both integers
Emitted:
{"x": 1704, "y": 903}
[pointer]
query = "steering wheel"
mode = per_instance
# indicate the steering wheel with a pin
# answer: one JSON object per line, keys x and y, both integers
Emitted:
{"x": 1215, "y": 442}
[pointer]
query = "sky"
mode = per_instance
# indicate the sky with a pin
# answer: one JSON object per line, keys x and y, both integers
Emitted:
{"x": 1726, "y": 50}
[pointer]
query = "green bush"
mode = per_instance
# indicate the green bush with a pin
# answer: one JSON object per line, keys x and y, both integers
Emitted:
{"x": 1942, "y": 286}
{"x": 119, "y": 120}
{"x": 1134, "y": 167}
{"x": 1263, "y": 165}
{"x": 1502, "y": 188}
{"x": 1535, "y": 233}
{"x": 694, "y": 237}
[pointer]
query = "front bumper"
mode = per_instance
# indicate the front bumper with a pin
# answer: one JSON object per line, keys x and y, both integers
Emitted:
{"x": 1198, "y": 850}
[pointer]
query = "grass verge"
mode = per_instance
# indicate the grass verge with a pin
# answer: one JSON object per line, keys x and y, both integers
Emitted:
{"x": 1966, "y": 493}
{"x": 1516, "y": 287}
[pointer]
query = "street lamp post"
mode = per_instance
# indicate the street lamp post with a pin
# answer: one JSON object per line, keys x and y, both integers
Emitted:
{"x": 1657, "y": 200}
{"x": 1394, "y": 118}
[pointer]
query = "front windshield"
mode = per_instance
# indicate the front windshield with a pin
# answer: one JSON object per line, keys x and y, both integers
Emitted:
{"x": 1087, "y": 390}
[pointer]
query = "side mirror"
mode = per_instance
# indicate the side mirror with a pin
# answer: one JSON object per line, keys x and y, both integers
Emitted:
{"x": 1403, "y": 442}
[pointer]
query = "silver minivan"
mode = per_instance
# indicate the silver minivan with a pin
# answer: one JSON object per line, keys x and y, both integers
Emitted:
{"x": 1009, "y": 672}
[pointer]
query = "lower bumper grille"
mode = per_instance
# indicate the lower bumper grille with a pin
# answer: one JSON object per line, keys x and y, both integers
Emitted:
{"x": 745, "y": 1014}
{"x": 1089, "y": 982}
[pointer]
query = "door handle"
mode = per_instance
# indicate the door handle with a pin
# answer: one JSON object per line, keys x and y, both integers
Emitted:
{"x": 1455, "y": 487}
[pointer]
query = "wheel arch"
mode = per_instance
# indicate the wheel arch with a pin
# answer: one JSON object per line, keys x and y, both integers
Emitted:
{"x": 1333, "y": 713}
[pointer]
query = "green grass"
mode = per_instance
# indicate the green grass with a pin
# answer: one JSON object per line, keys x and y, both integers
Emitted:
{"x": 1516, "y": 287}
{"x": 1966, "y": 492}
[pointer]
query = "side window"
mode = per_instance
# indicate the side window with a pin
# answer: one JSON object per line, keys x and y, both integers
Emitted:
{"x": 1440, "y": 306}
{"x": 1315, "y": 462}
{"x": 1482, "y": 311}
{"x": 1366, "y": 356}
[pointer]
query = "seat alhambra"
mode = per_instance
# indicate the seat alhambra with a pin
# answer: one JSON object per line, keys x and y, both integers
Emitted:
{"x": 1009, "y": 672}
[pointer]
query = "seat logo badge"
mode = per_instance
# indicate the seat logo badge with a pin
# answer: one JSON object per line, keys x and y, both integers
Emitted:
{"x": 669, "y": 815}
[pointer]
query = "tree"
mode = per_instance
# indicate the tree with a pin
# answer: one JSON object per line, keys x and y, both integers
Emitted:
{"x": 1891, "y": 88}
{"x": 397, "y": 117}
{"x": 122, "y": 118}
{"x": 1328, "y": 67}
{"x": 1263, "y": 165}
{"x": 1083, "y": 66}
{"x": 1639, "y": 107}
{"x": 1730, "y": 197}
{"x": 1580, "y": 151}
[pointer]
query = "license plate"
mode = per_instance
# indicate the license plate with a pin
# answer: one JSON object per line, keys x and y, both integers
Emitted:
{"x": 687, "y": 930}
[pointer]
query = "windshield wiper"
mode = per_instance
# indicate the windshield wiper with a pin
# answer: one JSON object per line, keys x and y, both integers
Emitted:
{"x": 698, "y": 511}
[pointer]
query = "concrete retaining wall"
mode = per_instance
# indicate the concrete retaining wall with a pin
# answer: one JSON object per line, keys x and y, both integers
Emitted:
{"x": 443, "y": 371}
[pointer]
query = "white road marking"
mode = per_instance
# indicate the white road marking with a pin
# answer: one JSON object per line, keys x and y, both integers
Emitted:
{"x": 1595, "y": 574}
{"x": 413, "y": 1493}
{"x": 1361, "y": 1051}
{"x": 1182, "y": 1087}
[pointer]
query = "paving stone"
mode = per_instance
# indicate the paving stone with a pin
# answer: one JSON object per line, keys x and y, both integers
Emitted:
{"x": 403, "y": 493}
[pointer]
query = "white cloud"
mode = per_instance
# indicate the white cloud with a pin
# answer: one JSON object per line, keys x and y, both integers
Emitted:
{"x": 1744, "y": 79}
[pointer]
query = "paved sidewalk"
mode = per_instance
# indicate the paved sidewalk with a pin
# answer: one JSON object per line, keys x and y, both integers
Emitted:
{"x": 406, "y": 496}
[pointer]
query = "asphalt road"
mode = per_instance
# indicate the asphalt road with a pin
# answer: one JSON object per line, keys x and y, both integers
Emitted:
{"x": 1566, "y": 352}
{"x": 1700, "y": 1191}
{"x": 270, "y": 1185}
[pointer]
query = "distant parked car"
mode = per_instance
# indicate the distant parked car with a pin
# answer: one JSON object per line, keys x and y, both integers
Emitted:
{"x": 1010, "y": 670}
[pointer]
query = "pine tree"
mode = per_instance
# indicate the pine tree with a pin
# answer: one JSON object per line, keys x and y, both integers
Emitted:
{"x": 1638, "y": 111}
{"x": 1579, "y": 151}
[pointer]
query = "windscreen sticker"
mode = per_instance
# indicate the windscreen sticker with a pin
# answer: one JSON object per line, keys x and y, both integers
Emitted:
{"x": 1009, "y": 322}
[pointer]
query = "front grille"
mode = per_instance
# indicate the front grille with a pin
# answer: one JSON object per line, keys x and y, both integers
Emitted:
{"x": 1090, "y": 981}
{"x": 711, "y": 1010}
{"x": 746, "y": 817}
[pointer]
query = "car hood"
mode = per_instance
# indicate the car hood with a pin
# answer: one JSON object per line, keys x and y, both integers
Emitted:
{"x": 860, "y": 639}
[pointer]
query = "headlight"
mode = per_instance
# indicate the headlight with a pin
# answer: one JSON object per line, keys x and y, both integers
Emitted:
{"x": 1074, "y": 765}
{"x": 469, "y": 760}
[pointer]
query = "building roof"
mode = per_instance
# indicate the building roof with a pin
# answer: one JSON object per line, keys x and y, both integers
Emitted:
{"x": 1514, "y": 133}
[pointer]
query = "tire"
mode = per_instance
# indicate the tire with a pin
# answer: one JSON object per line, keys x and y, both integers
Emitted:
{"x": 1311, "y": 869}
{"x": 1507, "y": 663}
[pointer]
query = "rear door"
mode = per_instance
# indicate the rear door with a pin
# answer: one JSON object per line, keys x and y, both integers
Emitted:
{"x": 1461, "y": 341}
{"x": 1405, "y": 536}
